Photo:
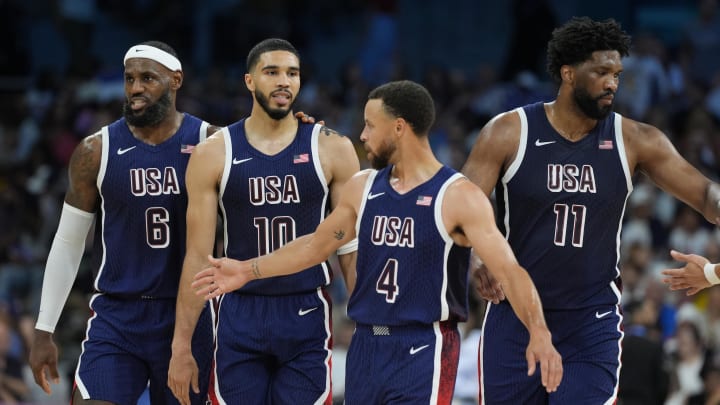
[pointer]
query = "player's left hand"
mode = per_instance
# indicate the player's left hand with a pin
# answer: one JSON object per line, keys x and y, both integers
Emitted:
{"x": 690, "y": 277}
{"x": 541, "y": 350}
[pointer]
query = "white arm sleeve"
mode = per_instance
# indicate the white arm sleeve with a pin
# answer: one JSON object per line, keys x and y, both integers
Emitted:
{"x": 62, "y": 265}
{"x": 348, "y": 247}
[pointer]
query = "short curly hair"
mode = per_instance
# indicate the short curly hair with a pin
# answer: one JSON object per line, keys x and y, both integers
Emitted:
{"x": 575, "y": 41}
{"x": 407, "y": 100}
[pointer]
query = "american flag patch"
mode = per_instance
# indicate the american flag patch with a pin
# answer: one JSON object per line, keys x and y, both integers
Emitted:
{"x": 606, "y": 144}
{"x": 425, "y": 200}
{"x": 186, "y": 148}
{"x": 301, "y": 158}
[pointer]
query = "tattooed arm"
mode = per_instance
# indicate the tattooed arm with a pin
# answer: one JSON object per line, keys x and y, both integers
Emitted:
{"x": 340, "y": 162}
{"x": 338, "y": 228}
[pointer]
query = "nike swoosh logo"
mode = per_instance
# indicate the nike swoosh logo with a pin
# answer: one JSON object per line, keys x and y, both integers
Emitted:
{"x": 603, "y": 315}
{"x": 237, "y": 162}
{"x": 414, "y": 349}
{"x": 303, "y": 312}
{"x": 539, "y": 143}
{"x": 122, "y": 151}
{"x": 371, "y": 195}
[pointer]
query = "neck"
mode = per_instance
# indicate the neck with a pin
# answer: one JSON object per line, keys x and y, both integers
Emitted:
{"x": 261, "y": 123}
{"x": 568, "y": 120}
{"x": 415, "y": 164}
{"x": 157, "y": 134}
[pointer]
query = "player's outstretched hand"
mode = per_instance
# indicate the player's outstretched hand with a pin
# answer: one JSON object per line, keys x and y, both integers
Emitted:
{"x": 541, "y": 350}
{"x": 485, "y": 284}
{"x": 43, "y": 360}
{"x": 222, "y": 276}
{"x": 690, "y": 277}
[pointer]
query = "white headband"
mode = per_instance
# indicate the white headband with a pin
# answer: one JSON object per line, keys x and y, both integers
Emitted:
{"x": 156, "y": 54}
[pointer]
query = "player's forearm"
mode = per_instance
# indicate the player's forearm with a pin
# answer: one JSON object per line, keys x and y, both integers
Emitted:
{"x": 292, "y": 258}
{"x": 188, "y": 307}
{"x": 712, "y": 203}
{"x": 525, "y": 301}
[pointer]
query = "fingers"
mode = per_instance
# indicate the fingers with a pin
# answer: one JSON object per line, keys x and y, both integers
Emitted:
{"x": 550, "y": 371}
{"x": 680, "y": 257}
{"x": 180, "y": 391}
{"x": 41, "y": 377}
{"x": 195, "y": 385}
{"x": 531, "y": 366}
{"x": 41, "y": 380}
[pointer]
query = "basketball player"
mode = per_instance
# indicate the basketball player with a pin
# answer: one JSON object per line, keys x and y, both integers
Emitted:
{"x": 563, "y": 172}
{"x": 273, "y": 178}
{"x": 128, "y": 178}
{"x": 415, "y": 221}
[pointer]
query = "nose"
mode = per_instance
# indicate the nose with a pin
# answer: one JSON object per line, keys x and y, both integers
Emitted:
{"x": 135, "y": 86}
{"x": 283, "y": 80}
{"x": 612, "y": 84}
{"x": 363, "y": 137}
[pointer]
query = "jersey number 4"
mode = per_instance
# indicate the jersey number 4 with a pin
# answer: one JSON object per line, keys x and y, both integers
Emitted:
{"x": 387, "y": 282}
{"x": 562, "y": 212}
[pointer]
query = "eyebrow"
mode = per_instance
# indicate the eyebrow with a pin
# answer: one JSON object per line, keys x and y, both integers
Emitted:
{"x": 293, "y": 68}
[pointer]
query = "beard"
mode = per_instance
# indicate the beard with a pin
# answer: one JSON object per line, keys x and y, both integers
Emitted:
{"x": 381, "y": 159}
{"x": 274, "y": 113}
{"x": 589, "y": 104}
{"x": 152, "y": 115}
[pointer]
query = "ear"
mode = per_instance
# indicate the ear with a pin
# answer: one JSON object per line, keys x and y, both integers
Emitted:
{"x": 249, "y": 82}
{"x": 177, "y": 80}
{"x": 400, "y": 126}
{"x": 567, "y": 73}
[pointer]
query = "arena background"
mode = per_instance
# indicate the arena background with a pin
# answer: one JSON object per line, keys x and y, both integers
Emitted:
{"x": 61, "y": 80}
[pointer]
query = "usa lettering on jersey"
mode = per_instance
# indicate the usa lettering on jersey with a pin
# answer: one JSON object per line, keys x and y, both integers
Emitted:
{"x": 273, "y": 190}
{"x": 571, "y": 178}
{"x": 154, "y": 181}
{"x": 393, "y": 231}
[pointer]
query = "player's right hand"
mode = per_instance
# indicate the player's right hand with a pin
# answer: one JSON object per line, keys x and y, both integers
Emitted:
{"x": 43, "y": 360}
{"x": 541, "y": 350}
{"x": 182, "y": 372}
{"x": 485, "y": 284}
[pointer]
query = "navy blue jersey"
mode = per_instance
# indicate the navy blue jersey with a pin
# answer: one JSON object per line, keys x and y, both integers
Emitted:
{"x": 267, "y": 201}
{"x": 139, "y": 242}
{"x": 562, "y": 205}
{"x": 409, "y": 271}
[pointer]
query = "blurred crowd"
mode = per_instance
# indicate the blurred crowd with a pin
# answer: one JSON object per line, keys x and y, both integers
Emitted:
{"x": 671, "y": 352}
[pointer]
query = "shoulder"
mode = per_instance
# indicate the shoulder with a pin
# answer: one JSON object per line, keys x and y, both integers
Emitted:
{"x": 358, "y": 180}
{"x": 87, "y": 153}
{"x": 502, "y": 130}
{"x": 462, "y": 192}
{"x": 337, "y": 154}
{"x": 332, "y": 138}
{"x": 638, "y": 134}
{"x": 212, "y": 147}
{"x": 633, "y": 128}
